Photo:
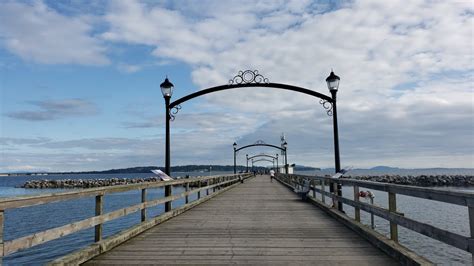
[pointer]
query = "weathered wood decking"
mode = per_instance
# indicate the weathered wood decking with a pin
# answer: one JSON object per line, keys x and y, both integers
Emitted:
{"x": 254, "y": 223}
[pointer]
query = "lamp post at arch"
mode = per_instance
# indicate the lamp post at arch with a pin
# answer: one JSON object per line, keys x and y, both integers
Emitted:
{"x": 333, "y": 86}
{"x": 167, "y": 91}
{"x": 285, "y": 146}
{"x": 278, "y": 168}
{"x": 235, "y": 154}
{"x": 247, "y": 156}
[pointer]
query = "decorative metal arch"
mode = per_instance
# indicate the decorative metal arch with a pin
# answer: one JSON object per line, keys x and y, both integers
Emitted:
{"x": 259, "y": 144}
{"x": 260, "y": 160}
{"x": 247, "y": 79}
{"x": 263, "y": 155}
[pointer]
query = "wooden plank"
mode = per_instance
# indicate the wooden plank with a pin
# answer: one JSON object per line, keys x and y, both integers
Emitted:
{"x": 109, "y": 243}
{"x": 402, "y": 254}
{"x": 428, "y": 230}
{"x": 257, "y": 222}
{"x": 97, "y": 221}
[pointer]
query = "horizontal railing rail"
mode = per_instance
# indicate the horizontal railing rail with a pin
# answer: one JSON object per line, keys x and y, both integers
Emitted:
{"x": 199, "y": 184}
{"x": 395, "y": 218}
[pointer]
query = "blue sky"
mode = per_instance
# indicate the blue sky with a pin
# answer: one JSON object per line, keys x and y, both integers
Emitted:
{"x": 80, "y": 82}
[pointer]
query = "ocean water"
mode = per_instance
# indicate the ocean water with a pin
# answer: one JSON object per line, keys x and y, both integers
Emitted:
{"x": 24, "y": 221}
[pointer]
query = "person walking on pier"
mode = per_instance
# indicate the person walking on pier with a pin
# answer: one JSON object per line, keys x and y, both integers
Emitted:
{"x": 272, "y": 175}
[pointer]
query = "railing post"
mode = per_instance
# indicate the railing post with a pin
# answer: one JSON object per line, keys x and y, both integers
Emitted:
{"x": 186, "y": 198}
{"x": 323, "y": 196}
{"x": 392, "y": 207}
{"x": 335, "y": 192}
{"x": 167, "y": 194}
{"x": 143, "y": 201}
{"x": 357, "y": 199}
{"x": 314, "y": 186}
{"x": 470, "y": 206}
{"x": 99, "y": 208}
{"x": 2, "y": 219}
{"x": 199, "y": 191}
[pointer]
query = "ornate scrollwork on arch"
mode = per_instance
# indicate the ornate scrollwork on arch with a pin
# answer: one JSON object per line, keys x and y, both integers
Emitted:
{"x": 248, "y": 77}
{"x": 326, "y": 105}
{"x": 259, "y": 142}
{"x": 174, "y": 111}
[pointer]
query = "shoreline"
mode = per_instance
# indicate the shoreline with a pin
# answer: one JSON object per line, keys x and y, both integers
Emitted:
{"x": 421, "y": 181}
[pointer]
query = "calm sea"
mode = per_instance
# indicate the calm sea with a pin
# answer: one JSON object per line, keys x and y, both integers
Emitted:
{"x": 25, "y": 221}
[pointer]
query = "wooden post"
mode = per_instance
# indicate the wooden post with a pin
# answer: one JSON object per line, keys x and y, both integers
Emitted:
{"x": 470, "y": 206}
{"x": 168, "y": 193}
{"x": 314, "y": 186}
{"x": 199, "y": 191}
{"x": 2, "y": 215}
{"x": 323, "y": 197}
{"x": 356, "y": 209}
{"x": 143, "y": 201}
{"x": 187, "y": 197}
{"x": 392, "y": 207}
{"x": 99, "y": 208}
{"x": 335, "y": 202}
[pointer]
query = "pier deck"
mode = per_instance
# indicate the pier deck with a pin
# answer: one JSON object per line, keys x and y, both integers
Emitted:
{"x": 257, "y": 222}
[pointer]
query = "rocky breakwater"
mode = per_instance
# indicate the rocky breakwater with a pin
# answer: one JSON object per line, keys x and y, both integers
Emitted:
{"x": 85, "y": 183}
{"x": 421, "y": 180}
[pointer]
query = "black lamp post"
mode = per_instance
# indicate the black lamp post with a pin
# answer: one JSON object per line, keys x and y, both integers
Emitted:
{"x": 333, "y": 86}
{"x": 246, "y": 155}
{"x": 235, "y": 163}
{"x": 167, "y": 90}
{"x": 285, "y": 146}
{"x": 278, "y": 168}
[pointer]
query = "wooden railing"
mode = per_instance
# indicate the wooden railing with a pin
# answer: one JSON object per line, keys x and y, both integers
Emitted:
{"x": 192, "y": 185}
{"x": 317, "y": 185}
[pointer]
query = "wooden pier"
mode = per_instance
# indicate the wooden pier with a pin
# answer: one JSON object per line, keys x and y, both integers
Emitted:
{"x": 241, "y": 219}
{"x": 257, "y": 222}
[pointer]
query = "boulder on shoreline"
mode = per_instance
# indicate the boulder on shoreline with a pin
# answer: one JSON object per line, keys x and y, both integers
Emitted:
{"x": 85, "y": 183}
{"x": 421, "y": 180}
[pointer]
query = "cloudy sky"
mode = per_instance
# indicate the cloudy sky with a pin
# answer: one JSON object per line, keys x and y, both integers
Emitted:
{"x": 80, "y": 82}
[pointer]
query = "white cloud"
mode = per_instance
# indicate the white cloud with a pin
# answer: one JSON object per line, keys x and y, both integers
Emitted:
{"x": 406, "y": 77}
{"x": 39, "y": 34}
{"x": 395, "y": 69}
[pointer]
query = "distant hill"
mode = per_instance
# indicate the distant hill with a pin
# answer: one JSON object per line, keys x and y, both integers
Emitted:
{"x": 180, "y": 168}
{"x": 384, "y": 168}
{"x": 304, "y": 168}
{"x": 183, "y": 168}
